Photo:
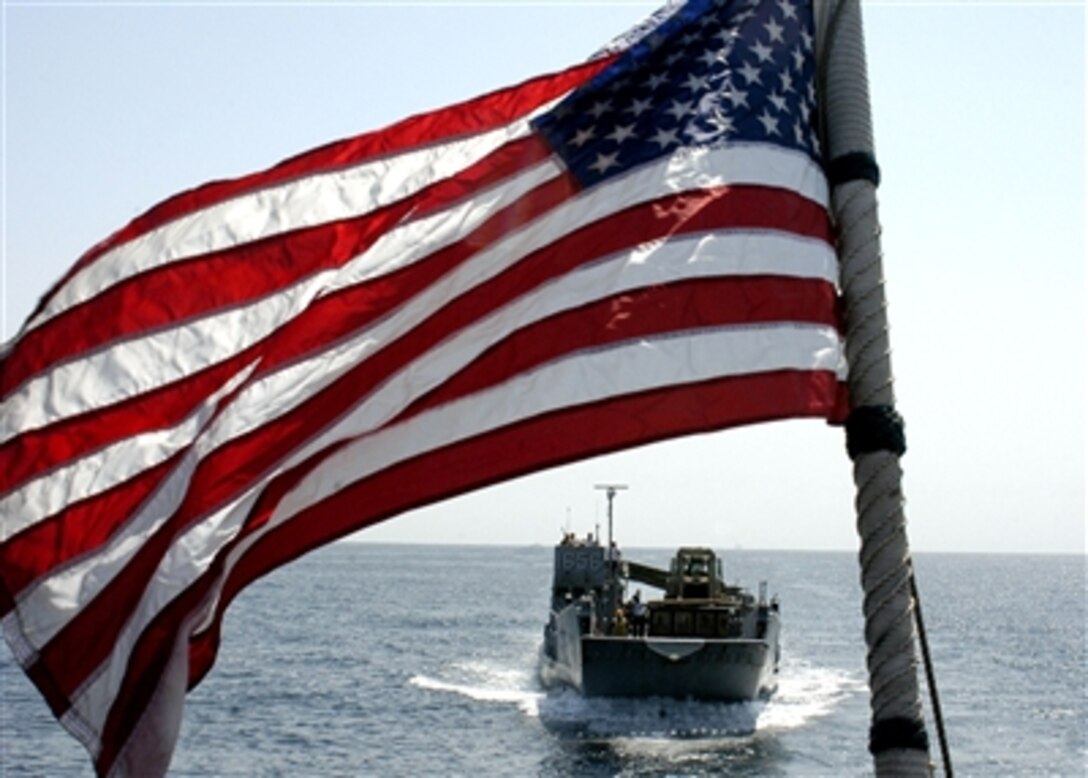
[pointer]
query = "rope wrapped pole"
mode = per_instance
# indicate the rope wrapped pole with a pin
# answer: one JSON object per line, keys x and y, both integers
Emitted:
{"x": 898, "y": 739}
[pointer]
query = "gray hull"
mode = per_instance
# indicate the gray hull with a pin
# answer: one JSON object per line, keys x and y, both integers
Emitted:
{"x": 721, "y": 670}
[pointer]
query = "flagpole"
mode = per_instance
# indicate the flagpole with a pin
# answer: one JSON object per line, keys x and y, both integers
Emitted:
{"x": 897, "y": 736}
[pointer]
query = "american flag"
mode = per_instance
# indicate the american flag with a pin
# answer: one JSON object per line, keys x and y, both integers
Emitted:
{"x": 635, "y": 248}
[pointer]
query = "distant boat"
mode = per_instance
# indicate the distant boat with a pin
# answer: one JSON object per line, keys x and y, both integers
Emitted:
{"x": 704, "y": 640}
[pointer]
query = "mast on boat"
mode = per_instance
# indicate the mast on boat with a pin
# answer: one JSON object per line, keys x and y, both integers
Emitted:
{"x": 610, "y": 492}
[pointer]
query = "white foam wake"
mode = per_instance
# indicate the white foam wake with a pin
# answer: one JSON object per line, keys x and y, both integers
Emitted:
{"x": 487, "y": 683}
{"x": 649, "y": 718}
{"x": 520, "y": 697}
{"x": 805, "y": 693}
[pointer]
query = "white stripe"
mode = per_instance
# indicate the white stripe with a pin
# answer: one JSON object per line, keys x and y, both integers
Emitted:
{"x": 49, "y": 604}
{"x": 587, "y": 377}
{"x": 582, "y": 378}
{"x": 126, "y": 369}
{"x": 693, "y": 256}
{"x": 79, "y": 729}
{"x": 416, "y": 240}
{"x": 303, "y": 202}
{"x": 52, "y": 602}
{"x": 685, "y": 170}
{"x": 276, "y": 394}
{"x": 696, "y": 256}
{"x": 692, "y": 167}
{"x": 279, "y": 392}
{"x": 189, "y": 556}
{"x": 25, "y": 653}
{"x": 139, "y": 365}
{"x": 103, "y": 469}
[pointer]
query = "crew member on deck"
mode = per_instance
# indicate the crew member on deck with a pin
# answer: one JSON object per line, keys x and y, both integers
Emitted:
{"x": 638, "y": 615}
{"x": 619, "y": 624}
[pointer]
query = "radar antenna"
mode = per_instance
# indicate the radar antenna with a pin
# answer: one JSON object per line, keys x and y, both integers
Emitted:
{"x": 610, "y": 492}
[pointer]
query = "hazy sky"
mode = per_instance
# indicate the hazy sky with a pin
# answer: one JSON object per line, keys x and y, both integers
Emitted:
{"x": 980, "y": 121}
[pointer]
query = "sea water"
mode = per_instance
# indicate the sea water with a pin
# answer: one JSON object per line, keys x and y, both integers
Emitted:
{"x": 382, "y": 660}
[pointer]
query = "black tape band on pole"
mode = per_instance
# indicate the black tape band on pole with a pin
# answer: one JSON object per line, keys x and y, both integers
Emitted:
{"x": 898, "y": 733}
{"x": 871, "y": 428}
{"x": 854, "y": 166}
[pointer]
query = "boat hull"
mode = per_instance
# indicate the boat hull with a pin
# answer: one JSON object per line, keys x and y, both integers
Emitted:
{"x": 713, "y": 670}
{"x": 702, "y": 669}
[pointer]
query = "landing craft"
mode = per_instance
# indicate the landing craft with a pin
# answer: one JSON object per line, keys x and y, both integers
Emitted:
{"x": 703, "y": 640}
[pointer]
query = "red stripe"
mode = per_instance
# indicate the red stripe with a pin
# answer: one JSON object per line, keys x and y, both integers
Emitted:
{"x": 533, "y": 445}
{"x": 327, "y": 319}
{"x": 186, "y": 290}
{"x": 36, "y": 452}
{"x": 80, "y": 526}
{"x": 232, "y": 467}
{"x": 473, "y": 116}
{"x": 686, "y": 305}
{"x": 89, "y": 524}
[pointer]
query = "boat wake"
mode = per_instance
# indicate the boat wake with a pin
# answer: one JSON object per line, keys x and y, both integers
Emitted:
{"x": 805, "y": 693}
{"x": 487, "y": 683}
{"x": 567, "y": 712}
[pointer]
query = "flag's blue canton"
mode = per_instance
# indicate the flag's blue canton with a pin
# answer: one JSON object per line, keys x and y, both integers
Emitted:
{"x": 716, "y": 72}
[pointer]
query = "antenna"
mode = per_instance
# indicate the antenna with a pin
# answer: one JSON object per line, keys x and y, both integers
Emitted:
{"x": 610, "y": 492}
